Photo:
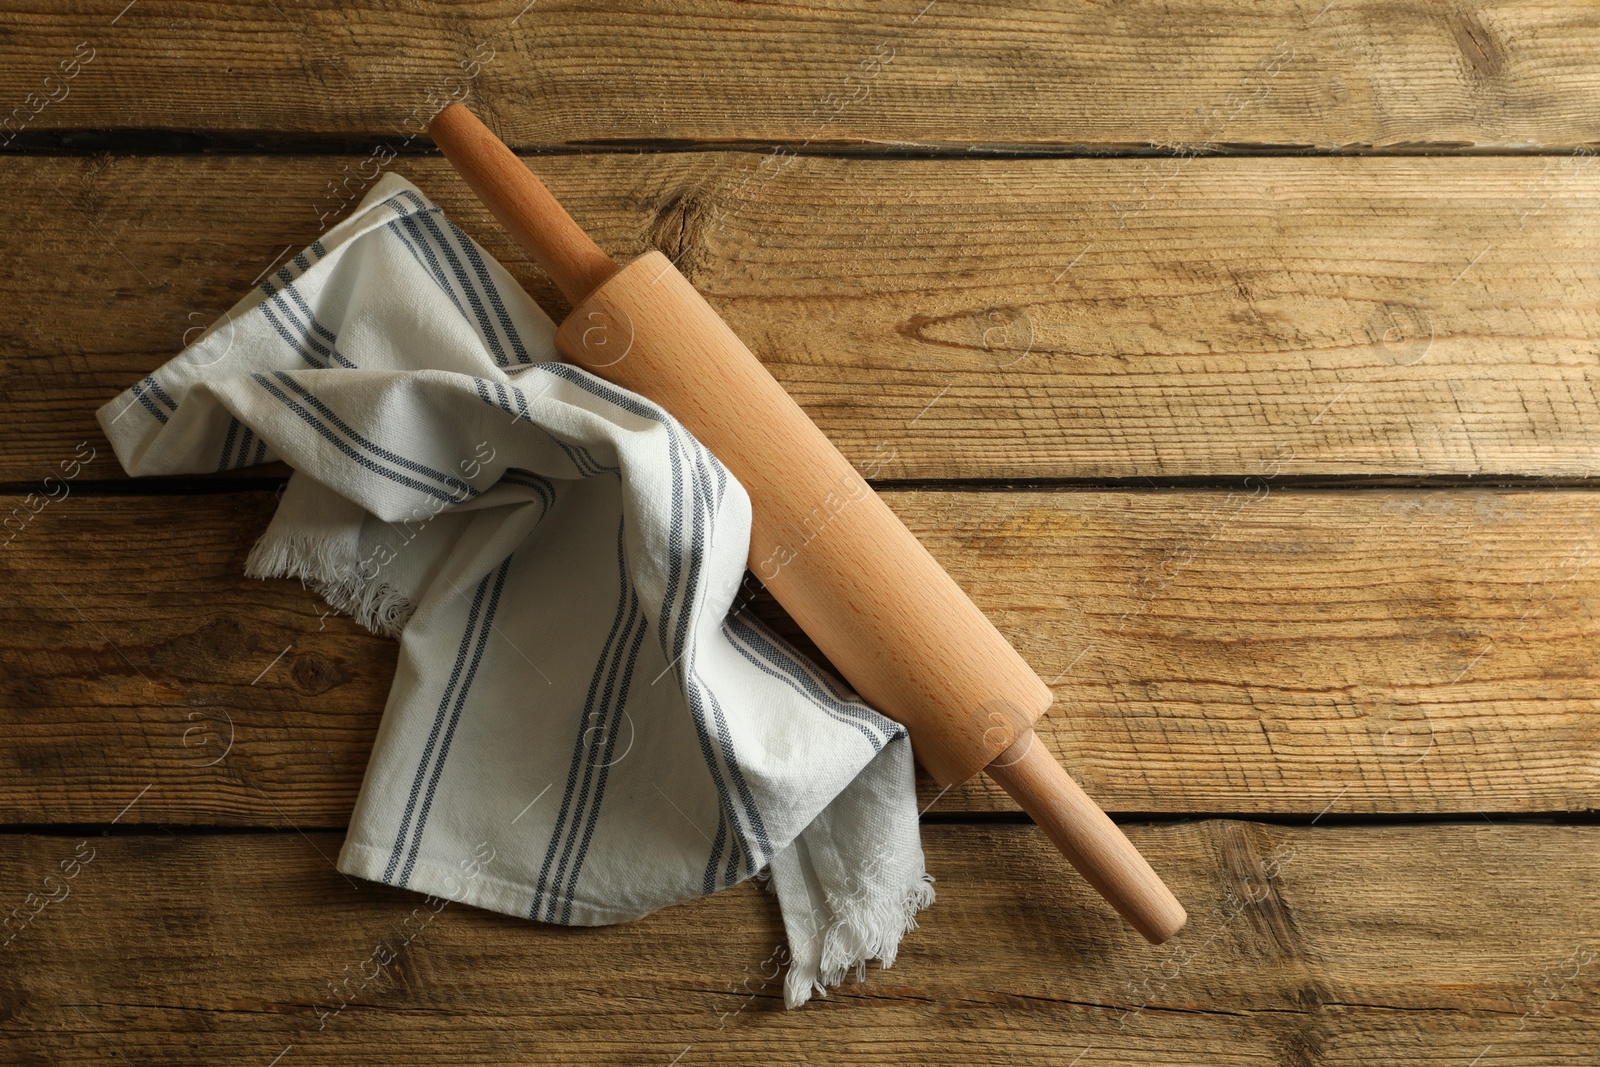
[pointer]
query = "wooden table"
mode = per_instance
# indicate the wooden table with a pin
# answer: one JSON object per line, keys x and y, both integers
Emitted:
{"x": 1239, "y": 359}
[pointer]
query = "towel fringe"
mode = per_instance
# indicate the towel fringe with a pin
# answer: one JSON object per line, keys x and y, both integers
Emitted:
{"x": 324, "y": 565}
{"x": 862, "y": 930}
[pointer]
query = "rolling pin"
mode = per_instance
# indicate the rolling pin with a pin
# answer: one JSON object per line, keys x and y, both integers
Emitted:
{"x": 860, "y": 584}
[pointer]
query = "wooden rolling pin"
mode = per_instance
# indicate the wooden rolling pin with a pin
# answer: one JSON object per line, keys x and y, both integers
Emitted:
{"x": 839, "y": 561}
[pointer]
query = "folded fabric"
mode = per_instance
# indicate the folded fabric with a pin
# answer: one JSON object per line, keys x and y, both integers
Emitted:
{"x": 585, "y": 724}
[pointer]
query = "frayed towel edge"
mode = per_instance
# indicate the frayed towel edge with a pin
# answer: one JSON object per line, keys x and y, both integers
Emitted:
{"x": 861, "y": 934}
{"x": 327, "y": 567}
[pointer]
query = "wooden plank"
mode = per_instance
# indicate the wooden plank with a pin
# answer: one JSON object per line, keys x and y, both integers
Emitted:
{"x": 947, "y": 319}
{"x": 1356, "y": 73}
{"x": 1275, "y": 651}
{"x": 1425, "y": 946}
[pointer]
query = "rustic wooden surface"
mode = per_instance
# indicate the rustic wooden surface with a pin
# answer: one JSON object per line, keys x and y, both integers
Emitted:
{"x": 1349, "y": 74}
{"x": 1239, "y": 358}
{"x": 1306, "y": 945}
{"x": 1271, "y": 652}
{"x": 953, "y": 318}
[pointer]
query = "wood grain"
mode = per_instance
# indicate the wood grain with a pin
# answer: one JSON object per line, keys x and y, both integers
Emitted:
{"x": 1352, "y": 74}
{"x": 1263, "y": 651}
{"x": 955, "y": 284}
{"x": 1421, "y": 946}
{"x": 947, "y": 319}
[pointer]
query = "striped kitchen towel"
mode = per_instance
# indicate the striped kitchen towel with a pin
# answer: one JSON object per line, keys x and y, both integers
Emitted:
{"x": 585, "y": 724}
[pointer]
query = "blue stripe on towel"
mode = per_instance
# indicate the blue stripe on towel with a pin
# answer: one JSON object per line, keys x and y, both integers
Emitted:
{"x": 154, "y": 386}
{"x": 677, "y": 628}
{"x": 424, "y": 216}
{"x": 608, "y": 715}
{"x": 596, "y": 464}
{"x": 412, "y": 235}
{"x": 703, "y": 463}
{"x": 316, "y": 424}
{"x": 574, "y": 794}
{"x": 141, "y": 393}
{"x": 450, "y": 480}
{"x": 329, "y": 351}
{"x": 227, "y": 444}
{"x": 748, "y": 644}
{"x": 433, "y": 735}
{"x": 529, "y": 480}
{"x": 572, "y": 456}
{"x": 289, "y": 338}
{"x": 455, "y": 711}
{"x": 491, "y": 292}
{"x": 611, "y": 732}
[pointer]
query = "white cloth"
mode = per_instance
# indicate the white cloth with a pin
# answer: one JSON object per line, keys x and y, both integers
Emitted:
{"x": 584, "y": 725}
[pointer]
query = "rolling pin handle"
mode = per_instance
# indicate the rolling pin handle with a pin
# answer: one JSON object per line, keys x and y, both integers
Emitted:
{"x": 1088, "y": 838}
{"x": 521, "y": 202}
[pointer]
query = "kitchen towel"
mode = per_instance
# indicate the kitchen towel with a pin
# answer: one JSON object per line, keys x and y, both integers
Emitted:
{"x": 585, "y": 724}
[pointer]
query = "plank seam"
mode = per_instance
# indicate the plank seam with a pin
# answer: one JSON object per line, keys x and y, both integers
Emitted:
{"x": 175, "y": 142}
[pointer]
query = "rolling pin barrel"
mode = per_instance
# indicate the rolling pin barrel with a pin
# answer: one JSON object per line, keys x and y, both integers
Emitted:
{"x": 854, "y": 578}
